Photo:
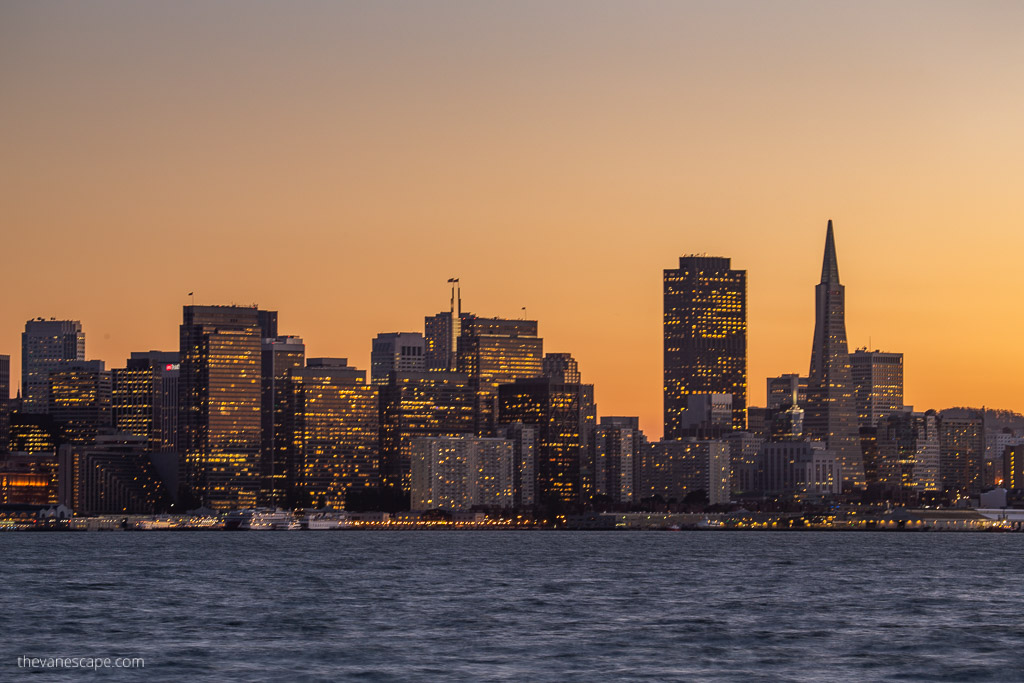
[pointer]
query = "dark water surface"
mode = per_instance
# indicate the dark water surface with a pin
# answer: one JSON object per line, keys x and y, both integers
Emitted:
{"x": 517, "y": 606}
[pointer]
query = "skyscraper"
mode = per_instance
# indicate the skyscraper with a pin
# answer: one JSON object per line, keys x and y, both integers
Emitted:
{"x": 220, "y": 400}
{"x": 146, "y": 399}
{"x": 396, "y": 351}
{"x": 5, "y": 402}
{"x": 442, "y": 332}
{"x": 331, "y": 435}
{"x": 831, "y": 411}
{"x": 46, "y": 345}
{"x": 878, "y": 382}
{"x": 496, "y": 351}
{"x": 281, "y": 355}
{"x": 705, "y": 331}
{"x": 80, "y": 401}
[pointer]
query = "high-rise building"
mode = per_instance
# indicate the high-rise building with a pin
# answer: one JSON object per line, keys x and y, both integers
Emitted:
{"x": 415, "y": 404}
{"x": 80, "y": 401}
{"x": 705, "y": 331}
{"x": 675, "y": 469}
{"x": 441, "y": 333}
{"x": 908, "y": 452}
{"x": 524, "y": 452}
{"x": 220, "y": 398}
{"x": 561, "y": 367}
{"x": 786, "y": 390}
{"x": 280, "y": 356}
{"x": 632, "y": 423}
{"x": 961, "y": 452}
{"x": 145, "y": 399}
{"x": 496, "y": 351}
{"x": 460, "y": 472}
{"x": 5, "y": 402}
{"x": 743, "y": 450}
{"x": 831, "y": 411}
{"x": 878, "y": 382}
{"x": 116, "y": 475}
{"x": 563, "y": 413}
{"x": 46, "y": 345}
{"x": 1013, "y": 468}
{"x": 396, "y": 352}
{"x": 612, "y": 458}
{"x": 332, "y": 433}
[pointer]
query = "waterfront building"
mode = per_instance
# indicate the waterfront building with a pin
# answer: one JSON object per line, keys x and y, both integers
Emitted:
{"x": 961, "y": 452}
{"x": 46, "y": 346}
{"x": 220, "y": 398}
{"x": 34, "y": 479}
{"x": 461, "y": 472}
{"x": 563, "y": 414}
{"x": 878, "y": 383}
{"x": 632, "y": 423}
{"x": 831, "y": 412}
{"x": 145, "y": 399}
{"x": 80, "y": 400}
{"x": 705, "y": 338}
{"x": 1013, "y": 468}
{"x": 675, "y": 469}
{"x": 420, "y": 404}
{"x": 800, "y": 468}
{"x": 332, "y": 435}
{"x": 396, "y": 352}
{"x": 32, "y": 433}
{"x": 115, "y": 475}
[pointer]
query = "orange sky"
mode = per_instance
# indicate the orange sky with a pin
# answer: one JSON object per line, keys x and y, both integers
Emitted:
{"x": 339, "y": 161}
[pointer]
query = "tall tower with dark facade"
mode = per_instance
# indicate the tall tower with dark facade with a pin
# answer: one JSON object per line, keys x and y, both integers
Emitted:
{"x": 705, "y": 330}
{"x": 46, "y": 346}
{"x": 220, "y": 396}
{"x": 831, "y": 412}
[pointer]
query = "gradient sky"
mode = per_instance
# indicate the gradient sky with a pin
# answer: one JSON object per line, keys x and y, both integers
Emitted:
{"x": 338, "y": 162}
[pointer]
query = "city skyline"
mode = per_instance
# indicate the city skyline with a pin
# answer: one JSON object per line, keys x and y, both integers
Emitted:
{"x": 551, "y": 159}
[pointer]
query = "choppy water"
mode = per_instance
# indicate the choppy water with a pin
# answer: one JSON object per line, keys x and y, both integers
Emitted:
{"x": 518, "y": 606}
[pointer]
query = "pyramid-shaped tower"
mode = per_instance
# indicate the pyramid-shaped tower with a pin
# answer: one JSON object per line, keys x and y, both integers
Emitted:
{"x": 831, "y": 414}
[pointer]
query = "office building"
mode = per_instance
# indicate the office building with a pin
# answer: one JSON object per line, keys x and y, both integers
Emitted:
{"x": 220, "y": 398}
{"x": 563, "y": 413}
{"x": 961, "y": 452}
{"x": 908, "y": 453}
{"x": 683, "y": 469}
{"x": 743, "y": 450}
{"x": 1013, "y": 468}
{"x": 5, "y": 402}
{"x": 80, "y": 401}
{"x": 396, "y": 352}
{"x": 705, "y": 338}
{"x": 145, "y": 399}
{"x": 523, "y": 438}
{"x": 420, "y": 404}
{"x": 786, "y": 390}
{"x": 632, "y": 423}
{"x": 46, "y": 345}
{"x": 332, "y": 435}
{"x": 878, "y": 382}
{"x": 496, "y": 351}
{"x": 831, "y": 411}
{"x": 115, "y": 475}
{"x": 461, "y": 472}
{"x": 441, "y": 333}
{"x": 279, "y": 357}
{"x": 799, "y": 468}
{"x": 612, "y": 458}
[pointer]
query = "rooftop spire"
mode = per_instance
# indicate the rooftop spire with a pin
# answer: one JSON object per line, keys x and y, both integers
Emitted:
{"x": 830, "y": 264}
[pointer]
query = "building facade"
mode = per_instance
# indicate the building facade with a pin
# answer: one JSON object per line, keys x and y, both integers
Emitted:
{"x": 458, "y": 473}
{"x": 675, "y": 469}
{"x": 705, "y": 337}
{"x": 878, "y": 383}
{"x": 46, "y": 346}
{"x": 145, "y": 398}
{"x": 831, "y": 411}
{"x": 220, "y": 401}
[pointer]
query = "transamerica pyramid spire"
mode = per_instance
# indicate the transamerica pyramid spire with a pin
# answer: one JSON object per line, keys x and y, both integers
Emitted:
{"x": 831, "y": 414}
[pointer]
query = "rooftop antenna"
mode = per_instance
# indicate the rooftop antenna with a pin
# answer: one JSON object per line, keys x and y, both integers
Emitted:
{"x": 456, "y": 320}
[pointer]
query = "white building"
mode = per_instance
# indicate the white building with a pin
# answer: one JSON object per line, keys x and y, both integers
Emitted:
{"x": 456, "y": 473}
{"x": 675, "y": 468}
{"x": 800, "y": 467}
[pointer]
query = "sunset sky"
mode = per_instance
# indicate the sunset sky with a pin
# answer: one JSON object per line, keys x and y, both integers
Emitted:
{"x": 339, "y": 161}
